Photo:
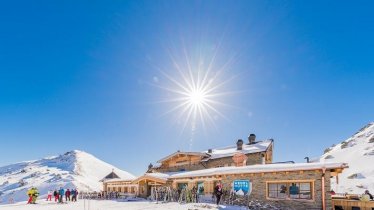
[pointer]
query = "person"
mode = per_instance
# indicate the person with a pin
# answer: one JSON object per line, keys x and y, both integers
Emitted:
{"x": 49, "y": 195}
{"x": 74, "y": 194}
{"x": 218, "y": 192}
{"x": 369, "y": 194}
{"x": 294, "y": 190}
{"x": 33, "y": 195}
{"x": 283, "y": 189}
{"x": 29, "y": 193}
{"x": 61, "y": 193}
{"x": 67, "y": 195}
{"x": 55, "y": 194}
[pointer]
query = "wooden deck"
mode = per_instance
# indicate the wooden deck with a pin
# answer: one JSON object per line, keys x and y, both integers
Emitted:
{"x": 345, "y": 204}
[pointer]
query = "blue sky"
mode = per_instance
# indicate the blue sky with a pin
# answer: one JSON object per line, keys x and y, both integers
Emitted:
{"x": 85, "y": 75}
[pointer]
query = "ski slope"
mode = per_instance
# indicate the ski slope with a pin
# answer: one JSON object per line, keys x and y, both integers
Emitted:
{"x": 75, "y": 169}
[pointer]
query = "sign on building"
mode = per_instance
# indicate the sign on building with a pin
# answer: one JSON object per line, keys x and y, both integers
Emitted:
{"x": 242, "y": 187}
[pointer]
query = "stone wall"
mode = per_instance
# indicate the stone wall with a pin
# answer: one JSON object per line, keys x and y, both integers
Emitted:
{"x": 259, "y": 189}
{"x": 253, "y": 158}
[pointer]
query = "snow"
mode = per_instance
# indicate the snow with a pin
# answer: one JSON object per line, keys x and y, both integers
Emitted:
{"x": 75, "y": 169}
{"x": 249, "y": 169}
{"x": 246, "y": 149}
{"x": 358, "y": 152}
{"x": 114, "y": 205}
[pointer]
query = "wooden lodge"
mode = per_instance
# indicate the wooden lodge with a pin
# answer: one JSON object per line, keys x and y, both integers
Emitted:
{"x": 243, "y": 169}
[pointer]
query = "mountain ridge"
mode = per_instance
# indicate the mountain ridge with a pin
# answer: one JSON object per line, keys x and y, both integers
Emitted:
{"x": 73, "y": 169}
{"x": 358, "y": 152}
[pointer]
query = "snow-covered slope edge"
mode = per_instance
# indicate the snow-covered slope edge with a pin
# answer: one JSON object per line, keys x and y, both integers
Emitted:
{"x": 358, "y": 152}
{"x": 75, "y": 169}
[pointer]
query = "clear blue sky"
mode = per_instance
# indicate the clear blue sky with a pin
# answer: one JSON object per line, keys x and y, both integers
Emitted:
{"x": 79, "y": 75}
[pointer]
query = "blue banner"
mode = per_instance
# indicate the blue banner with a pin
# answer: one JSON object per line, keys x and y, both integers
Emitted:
{"x": 242, "y": 187}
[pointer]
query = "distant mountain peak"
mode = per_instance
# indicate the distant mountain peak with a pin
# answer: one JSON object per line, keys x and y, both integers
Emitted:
{"x": 73, "y": 169}
{"x": 358, "y": 152}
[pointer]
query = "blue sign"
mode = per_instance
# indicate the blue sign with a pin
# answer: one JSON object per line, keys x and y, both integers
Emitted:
{"x": 242, "y": 187}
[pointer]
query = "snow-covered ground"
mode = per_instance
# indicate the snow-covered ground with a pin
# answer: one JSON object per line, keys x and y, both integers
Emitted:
{"x": 358, "y": 152}
{"x": 75, "y": 169}
{"x": 114, "y": 205}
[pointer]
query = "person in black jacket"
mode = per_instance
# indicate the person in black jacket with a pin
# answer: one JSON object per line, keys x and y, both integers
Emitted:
{"x": 218, "y": 191}
{"x": 368, "y": 193}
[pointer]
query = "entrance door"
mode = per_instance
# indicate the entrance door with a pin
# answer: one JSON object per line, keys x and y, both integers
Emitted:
{"x": 149, "y": 190}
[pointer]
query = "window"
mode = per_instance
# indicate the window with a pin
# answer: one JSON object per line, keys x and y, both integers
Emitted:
{"x": 290, "y": 190}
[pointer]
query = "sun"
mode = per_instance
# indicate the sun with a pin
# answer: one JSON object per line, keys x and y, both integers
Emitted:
{"x": 196, "y": 87}
{"x": 197, "y": 97}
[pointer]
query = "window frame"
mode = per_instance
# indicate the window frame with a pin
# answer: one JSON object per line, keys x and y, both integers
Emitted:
{"x": 288, "y": 184}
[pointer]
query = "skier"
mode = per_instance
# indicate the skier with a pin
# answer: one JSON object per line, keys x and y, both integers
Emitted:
{"x": 35, "y": 195}
{"x": 55, "y": 194}
{"x": 74, "y": 192}
{"x": 218, "y": 192}
{"x": 49, "y": 195}
{"x": 67, "y": 195}
{"x": 29, "y": 193}
{"x": 61, "y": 194}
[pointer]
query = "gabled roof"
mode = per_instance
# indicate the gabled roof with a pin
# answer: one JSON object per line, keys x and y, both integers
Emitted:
{"x": 260, "y": 146}
{"x": 154, "y": 177}
{"x": 112, "y": 175}
{"x": 203, "y": 154}
{"x": 120, "y": 175}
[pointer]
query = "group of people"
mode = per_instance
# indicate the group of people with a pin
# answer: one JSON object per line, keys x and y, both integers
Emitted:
{"x": 70, "y": 195}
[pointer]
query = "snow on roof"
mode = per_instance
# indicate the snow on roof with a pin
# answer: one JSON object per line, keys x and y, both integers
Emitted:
{"x": 182, "y": 153}
{"x": 164, "y": 176}
{"x": 260, "y": 146}
{"x": 259, "y": 169}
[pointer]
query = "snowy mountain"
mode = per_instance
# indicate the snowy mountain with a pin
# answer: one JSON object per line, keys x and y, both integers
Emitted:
{"x": 358, "y": 152}
{"x": 75, "y": 169}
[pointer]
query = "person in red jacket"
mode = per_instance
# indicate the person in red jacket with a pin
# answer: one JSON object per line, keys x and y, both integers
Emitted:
{"x": 55, "y": 194}
{"x": 67, "y": 195}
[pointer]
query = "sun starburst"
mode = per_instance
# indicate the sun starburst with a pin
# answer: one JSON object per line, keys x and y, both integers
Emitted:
{"x": 197, "y": 91}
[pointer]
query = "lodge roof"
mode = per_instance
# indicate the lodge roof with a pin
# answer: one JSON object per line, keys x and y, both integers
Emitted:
{"x": 182, "y": 153}
{"x": 119, "y": 176}
{"x": 260, "y": 168}
{"x": 260, "y": 146}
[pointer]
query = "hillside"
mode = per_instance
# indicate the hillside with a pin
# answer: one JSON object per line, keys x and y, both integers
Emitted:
{"x": 75, "y": 169}
{"x": 358, "y": 152}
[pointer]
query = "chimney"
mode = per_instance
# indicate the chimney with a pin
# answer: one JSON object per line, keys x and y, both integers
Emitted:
{"x": 252, "y": 138}
{"x": 150, "y": 166}
{"x": 239, "y": 144}
{"x": 210, "y": 151}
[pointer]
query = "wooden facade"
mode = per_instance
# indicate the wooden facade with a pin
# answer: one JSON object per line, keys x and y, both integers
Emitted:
{"x": 120, "y": 186}
{"x": 191, "y": 161}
